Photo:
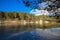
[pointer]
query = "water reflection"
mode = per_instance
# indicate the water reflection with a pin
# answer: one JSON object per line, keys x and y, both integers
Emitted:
{"x": 35, "y": 34}
{"x": 26, "y": 32}
{"x": 38, "y": 34}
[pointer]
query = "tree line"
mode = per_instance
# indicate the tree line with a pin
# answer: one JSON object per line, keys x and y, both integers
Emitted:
{"x": 14, "y": 15}
{"x": 24, "y": 16}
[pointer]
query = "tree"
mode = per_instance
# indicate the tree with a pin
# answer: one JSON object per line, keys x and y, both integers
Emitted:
{"x": 32, "y": 17}
{"x": 7, "y": 15}
{"x": 21, "y": 15}
{"x": 57, "y": 15}
{"x": 2, "y": 16}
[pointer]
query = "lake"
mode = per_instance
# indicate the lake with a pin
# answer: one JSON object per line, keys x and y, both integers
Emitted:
{"x": 27, "y": 33}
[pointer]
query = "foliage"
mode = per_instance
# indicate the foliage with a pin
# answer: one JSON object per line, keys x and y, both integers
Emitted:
{"x": 24, "y": 16}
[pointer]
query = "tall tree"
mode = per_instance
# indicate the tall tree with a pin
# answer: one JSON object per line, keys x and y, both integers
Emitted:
{"x": 2, "y": 16}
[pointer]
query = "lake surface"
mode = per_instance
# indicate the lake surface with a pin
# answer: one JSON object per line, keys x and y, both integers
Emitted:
{"x": 32, "y": 34}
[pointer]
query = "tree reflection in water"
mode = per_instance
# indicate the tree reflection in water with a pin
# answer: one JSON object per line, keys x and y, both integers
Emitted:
{"x": 28, "y": 32}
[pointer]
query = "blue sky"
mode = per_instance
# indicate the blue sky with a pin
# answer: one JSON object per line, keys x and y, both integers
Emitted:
{"x": 13, "y": 5}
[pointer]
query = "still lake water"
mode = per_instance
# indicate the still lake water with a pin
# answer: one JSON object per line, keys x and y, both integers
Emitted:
{"x": 26, "y": 33}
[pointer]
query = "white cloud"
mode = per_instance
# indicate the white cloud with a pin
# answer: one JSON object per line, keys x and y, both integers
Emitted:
{"x": 44, "y": 4}
{"x": 39, "y": 12}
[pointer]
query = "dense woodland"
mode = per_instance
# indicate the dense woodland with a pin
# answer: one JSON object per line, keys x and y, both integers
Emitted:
{"x": 25, "y": 16}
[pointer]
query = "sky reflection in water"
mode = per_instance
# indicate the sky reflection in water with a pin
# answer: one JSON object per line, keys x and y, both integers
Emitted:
{"x": 36, "y": 34}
